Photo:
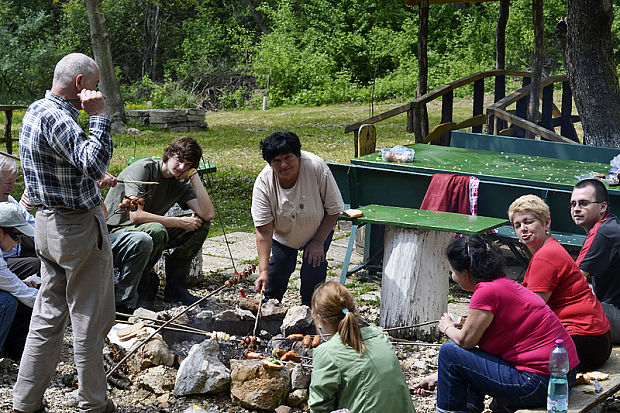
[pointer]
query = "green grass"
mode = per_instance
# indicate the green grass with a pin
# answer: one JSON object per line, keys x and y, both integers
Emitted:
{"x": 232, "y": 140}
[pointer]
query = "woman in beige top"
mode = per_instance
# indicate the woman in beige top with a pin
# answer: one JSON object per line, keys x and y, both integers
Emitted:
{"x": 295, "y": 206}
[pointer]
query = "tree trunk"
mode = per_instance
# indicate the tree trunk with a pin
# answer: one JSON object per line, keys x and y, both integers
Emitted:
{"x": 107, "y": 78}
{"x": 150, "y": 39}
{"x": 257, "y": 16}
{"x": 421, "y": 114}
{"x": 586, "y": 43}
{"x": 532, "y": 107}
{"x": 414, "y": 282}
{"x": 500, "y": 34}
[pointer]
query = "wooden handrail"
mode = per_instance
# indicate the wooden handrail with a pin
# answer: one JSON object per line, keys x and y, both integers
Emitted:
{"x": 496, "y": 114}
{"x": 434, "y": 94}
{"x": 374, "y": 119}
{"x": 524, "y": 91}
{"x": 526, "y": 124}
{"x": 442, "y": 90}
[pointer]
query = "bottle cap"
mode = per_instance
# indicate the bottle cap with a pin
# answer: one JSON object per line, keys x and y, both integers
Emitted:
{"x": 559, "y": 341}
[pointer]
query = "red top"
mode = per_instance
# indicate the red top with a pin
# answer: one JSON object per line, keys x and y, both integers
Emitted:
{"x": 553, "y": 270}
{"x": 524, "y": 329}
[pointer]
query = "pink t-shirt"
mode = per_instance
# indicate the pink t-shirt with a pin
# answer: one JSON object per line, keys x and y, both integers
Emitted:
{"x": 552, "y": 270}
{"x": 524, "y": 329}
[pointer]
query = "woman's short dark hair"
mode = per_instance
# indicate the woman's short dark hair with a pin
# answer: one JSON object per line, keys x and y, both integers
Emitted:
{"x": 186, "y": 149}
{"x": 484, "y": 260}
{"x": 279, "y": 143}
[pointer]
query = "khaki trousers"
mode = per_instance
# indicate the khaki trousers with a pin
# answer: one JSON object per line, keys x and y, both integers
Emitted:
{"x": 77, "y": 284}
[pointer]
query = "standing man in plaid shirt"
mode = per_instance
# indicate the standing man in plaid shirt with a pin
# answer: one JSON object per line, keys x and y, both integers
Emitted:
{"x": 61, "y": 166}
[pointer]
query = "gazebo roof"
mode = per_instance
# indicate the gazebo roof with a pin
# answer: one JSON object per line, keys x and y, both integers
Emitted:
{"x": 417, "y": 2}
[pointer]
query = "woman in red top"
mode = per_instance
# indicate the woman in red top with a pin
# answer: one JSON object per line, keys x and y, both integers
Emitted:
{"x": 554, "y": 276}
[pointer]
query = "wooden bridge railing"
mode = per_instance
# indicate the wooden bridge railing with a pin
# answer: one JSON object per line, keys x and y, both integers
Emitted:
{"x": 497, "y": 116}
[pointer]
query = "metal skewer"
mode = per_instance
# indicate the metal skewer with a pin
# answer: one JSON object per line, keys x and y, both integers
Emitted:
{"x": 161, "y": 328}
{"x": 260, "y": 304}
{"x": 124, "y": 181}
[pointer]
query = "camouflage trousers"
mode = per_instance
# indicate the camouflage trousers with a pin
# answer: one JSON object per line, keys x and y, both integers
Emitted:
{"x": 186, "y": 244}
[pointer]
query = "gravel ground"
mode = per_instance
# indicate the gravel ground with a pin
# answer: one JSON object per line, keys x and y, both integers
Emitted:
{"x": 416, "y": 361}
{"x": 61, "y": 393}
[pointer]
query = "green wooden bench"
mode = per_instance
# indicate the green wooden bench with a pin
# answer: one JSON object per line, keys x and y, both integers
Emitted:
{"x": 582, "y": 398}
{"x": 414, "y": 282}
{"x": 415, "y": 218}
{"x": 203, "y": 168}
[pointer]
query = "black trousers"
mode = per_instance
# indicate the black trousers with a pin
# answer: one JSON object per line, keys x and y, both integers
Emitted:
{"x": 592, "y": 351}
{"x": 27, "y": 263}
{"x": 282, "y": 264}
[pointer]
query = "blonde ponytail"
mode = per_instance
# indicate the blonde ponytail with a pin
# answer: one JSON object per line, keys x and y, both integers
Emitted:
{"x": 336, "y": 308}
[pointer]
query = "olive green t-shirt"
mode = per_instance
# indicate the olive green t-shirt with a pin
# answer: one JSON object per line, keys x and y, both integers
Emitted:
{"x": 158, "y": 198}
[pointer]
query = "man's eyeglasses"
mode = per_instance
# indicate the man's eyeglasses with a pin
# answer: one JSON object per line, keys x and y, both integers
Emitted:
{"x": 15, "y": 236}
{"x": 583, "y": 203}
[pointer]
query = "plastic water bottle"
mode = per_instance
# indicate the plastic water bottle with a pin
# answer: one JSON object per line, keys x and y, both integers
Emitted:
{"x": 557, "y": 394}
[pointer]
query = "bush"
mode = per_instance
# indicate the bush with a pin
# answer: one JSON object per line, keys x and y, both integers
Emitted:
{"x": 166, "y": 96}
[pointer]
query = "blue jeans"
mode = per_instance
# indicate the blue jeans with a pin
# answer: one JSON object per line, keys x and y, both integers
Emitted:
{"x": 8, "y": 308}
{"x": 466, "y": 376}
{"x": 281, "y": 266}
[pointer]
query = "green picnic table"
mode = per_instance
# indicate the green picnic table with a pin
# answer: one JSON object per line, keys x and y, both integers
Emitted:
{"x": 414, "y": 283}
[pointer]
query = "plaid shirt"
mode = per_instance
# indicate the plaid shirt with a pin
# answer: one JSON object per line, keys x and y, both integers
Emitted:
{"x": 61, "y": 164}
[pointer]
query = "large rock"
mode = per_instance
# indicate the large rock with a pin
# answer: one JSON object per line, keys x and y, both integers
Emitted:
{"x": 257, "y": 387}
{"x": 298, "y": 320}
{"x": 300, "y": 377}
{"x": 297, "y": 397}
{"x": 154, "y": 352}
{"x": 201, "y": 371}
{"x": 158, "y": 380}
{"x": 273, "y": 310}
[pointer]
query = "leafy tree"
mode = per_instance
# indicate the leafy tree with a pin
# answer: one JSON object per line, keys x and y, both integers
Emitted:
{"x": 31, "y": 46}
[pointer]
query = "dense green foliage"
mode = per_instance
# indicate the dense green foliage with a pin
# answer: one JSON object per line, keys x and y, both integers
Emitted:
{"x": 219, "y": 54}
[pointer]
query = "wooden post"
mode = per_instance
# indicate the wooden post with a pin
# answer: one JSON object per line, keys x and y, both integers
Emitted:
{"x": 421, "y": 115}
{"x": 500, "y": 34}
{"x": 567, "y": 129}
{"x": 537, "y": 14}
{"x": 8, "y": 118}
{"x": 547, "y": 107}
{"x": 500, "y": 92}
{"x": 447, "y": 102}
{"x": 414, "y": 284}
{"x": 410, "y": 121}
{"x": 522, "y": 109}
{"x": 478, "y": 106}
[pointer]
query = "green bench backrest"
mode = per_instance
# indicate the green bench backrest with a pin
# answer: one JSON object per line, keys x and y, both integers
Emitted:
{"x": 533, "y": 147}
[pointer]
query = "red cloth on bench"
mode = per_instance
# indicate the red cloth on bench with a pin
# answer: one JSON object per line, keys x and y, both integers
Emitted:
{"x": 447, "y": 193}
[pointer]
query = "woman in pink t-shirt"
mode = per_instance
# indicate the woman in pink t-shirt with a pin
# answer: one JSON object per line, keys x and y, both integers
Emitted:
{"x": 554, "y": 276}
{"x": 502, "y": 350}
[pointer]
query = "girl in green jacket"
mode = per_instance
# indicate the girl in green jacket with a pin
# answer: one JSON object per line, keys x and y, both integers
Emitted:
{"x": 357, "y": 368}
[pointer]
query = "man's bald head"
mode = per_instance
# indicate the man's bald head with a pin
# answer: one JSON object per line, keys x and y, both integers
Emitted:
{"x": 72, "y": 65}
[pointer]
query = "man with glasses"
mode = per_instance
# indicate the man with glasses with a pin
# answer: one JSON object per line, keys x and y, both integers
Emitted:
{"x": 600, "y": 254}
